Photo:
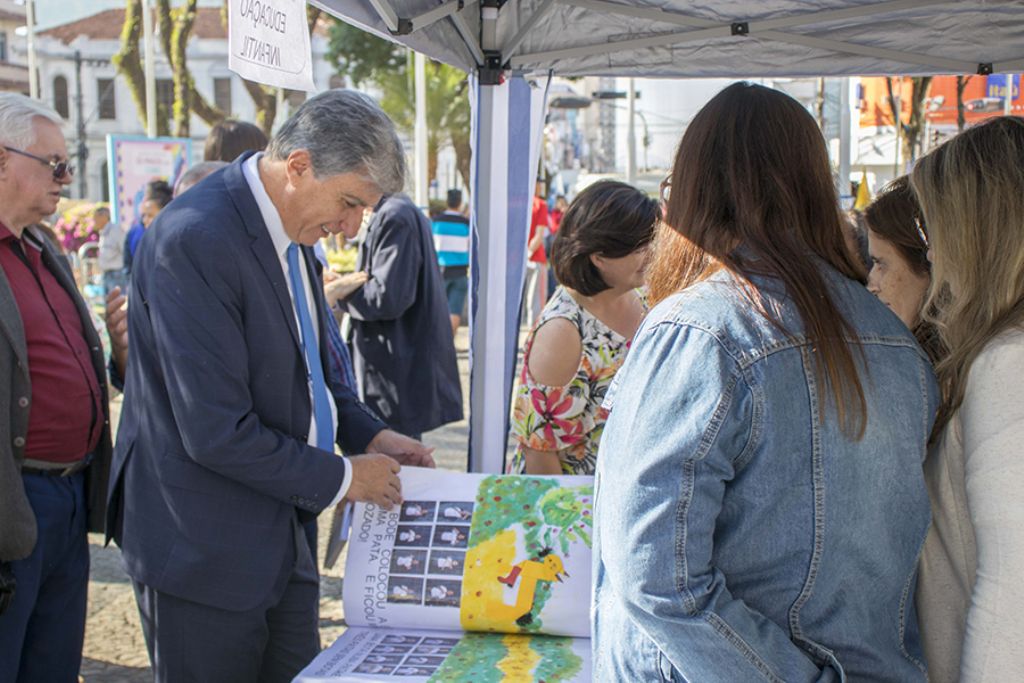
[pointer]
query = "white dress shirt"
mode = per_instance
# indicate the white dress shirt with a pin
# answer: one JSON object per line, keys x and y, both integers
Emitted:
{"x": 275, "y": 227}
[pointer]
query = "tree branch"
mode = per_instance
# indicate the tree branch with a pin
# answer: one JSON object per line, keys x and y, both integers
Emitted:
{"x": 128, "y": 63}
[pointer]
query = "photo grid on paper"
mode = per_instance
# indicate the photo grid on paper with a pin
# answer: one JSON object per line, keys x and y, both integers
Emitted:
{"x": 429, "y": 557}
{"x": 406, "y": 656}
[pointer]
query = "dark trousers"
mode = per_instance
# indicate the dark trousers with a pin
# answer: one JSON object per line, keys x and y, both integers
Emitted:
{"x": 42, "y": 631}
{"x": 188, "y": 641}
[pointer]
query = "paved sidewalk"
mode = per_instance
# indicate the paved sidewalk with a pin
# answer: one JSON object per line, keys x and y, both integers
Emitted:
{"x": 115, "y": 651}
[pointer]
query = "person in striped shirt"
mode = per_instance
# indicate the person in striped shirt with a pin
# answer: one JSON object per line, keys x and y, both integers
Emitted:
{"x": 451, "y": 242}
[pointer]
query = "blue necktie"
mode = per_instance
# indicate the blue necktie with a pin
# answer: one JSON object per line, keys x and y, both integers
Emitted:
{"x": 321, "y": 401}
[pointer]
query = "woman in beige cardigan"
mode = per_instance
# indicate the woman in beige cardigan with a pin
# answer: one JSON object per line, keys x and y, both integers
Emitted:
{"x": 971, "y": 586}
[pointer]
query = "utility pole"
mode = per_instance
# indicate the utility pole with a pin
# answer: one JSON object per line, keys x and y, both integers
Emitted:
{"x": 845, "y": 135}
{"x": 631, "y": 132}
{"x": 422, "y": 168}
{"x": 150, "y": 72}
{"x": 33, "y": 69}
{"x": 83, "y": 149}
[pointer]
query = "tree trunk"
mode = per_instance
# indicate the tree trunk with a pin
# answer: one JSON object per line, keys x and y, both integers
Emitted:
{"x": 165, "y": 25}
{"x": 175, "y": 32}
{"x": 463, "y": 155}
{"x": 961, "y": 110}
{"x": 265, "y": 100}
{"x": 912, "y": 129}
{"x": 820, "y": 103}
{"x": 128, "y": 62}
{"x": 183, "y": 84}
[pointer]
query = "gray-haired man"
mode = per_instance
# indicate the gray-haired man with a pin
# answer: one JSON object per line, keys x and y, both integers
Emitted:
{"x": 54, "y": 440}
{"x": 225, "y": 449}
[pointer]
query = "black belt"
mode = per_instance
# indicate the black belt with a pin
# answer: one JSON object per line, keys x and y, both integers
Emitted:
{"x": 73, "y": 468}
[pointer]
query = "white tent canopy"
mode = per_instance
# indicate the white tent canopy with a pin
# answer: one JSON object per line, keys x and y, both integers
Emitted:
{"x": 499, "y": 41}
{"x": 676, "y": 38}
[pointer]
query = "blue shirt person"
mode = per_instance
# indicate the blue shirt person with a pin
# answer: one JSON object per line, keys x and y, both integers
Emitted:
{"x": 451, "y": 242}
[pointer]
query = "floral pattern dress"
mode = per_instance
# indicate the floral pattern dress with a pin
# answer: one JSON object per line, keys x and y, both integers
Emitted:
{"x": 569, "y": 419}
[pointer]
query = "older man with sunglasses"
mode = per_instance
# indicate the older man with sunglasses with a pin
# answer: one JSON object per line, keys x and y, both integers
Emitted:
{"x": 54, "y": 438}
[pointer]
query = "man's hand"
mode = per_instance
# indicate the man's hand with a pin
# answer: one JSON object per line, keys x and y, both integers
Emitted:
{"x": 340, "y": 287}
{"x": 375, "y": 480}
{"x": 116, "y": 317}
{"x": 407, "y": 451}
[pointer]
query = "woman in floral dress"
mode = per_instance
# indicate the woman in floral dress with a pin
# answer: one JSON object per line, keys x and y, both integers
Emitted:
{"x": 582, "y": 336}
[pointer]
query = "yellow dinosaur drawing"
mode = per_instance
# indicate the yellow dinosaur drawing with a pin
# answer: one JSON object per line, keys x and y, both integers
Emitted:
{"x": 488, "y": 572}
{"x": 528, "y": 573}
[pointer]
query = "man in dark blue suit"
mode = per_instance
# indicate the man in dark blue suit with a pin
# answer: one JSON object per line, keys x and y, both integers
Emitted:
{"x": 225, "y": 452}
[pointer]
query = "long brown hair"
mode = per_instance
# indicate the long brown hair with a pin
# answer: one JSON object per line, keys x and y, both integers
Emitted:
{"x": 971, "y": 190}
{"x": 752, "y": 171}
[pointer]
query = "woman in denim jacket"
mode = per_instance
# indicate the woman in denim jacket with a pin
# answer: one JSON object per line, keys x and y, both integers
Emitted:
{"x": 760, "y": 501}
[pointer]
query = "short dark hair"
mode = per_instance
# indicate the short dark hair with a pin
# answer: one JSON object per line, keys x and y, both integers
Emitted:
{"x": 158, "y": 191}
{"x": 896, "y": 216}
{"x": 229, "y": 138}
{"x": 609, "y": 218}
{"x": 454, "y": 198}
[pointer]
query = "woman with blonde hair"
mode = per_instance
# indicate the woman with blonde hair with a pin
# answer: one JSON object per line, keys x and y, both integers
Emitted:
{"x": 970, "y": 593}
{"x": 760, "y": 501}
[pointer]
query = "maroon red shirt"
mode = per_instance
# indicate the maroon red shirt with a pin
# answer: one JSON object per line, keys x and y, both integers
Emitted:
{"x": 66, "y": 417}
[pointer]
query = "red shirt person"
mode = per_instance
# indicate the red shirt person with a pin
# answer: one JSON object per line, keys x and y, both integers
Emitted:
{"x": 55, "y": 456}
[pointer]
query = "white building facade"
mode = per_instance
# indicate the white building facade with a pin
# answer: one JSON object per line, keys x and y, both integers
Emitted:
{"x": 75, "y": 66}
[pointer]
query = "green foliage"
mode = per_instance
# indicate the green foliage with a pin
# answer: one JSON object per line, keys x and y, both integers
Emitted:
{"x": 362, "y": 56}
{"x": 550, "y": 515}
{"x": 475, "y": 659}
{"x": 506, "y": 501}
{"x": 368, "y": 60}
{"x": 557, "y": 660}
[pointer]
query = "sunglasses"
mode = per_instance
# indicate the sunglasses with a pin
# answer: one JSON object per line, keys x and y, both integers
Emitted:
{"x": 60, "y": 168}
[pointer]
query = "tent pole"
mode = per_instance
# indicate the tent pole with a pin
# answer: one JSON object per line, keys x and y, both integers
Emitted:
{"x": 488, "y": 341}
{"x": 422, "y": 181}
{"x": 845, "y": 135}
{"x": 631, "y": 132}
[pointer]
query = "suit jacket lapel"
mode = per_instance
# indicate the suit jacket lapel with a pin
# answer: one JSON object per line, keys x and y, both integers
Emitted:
{"x": 262, "y": 246}
{"x": 10, "y": 323}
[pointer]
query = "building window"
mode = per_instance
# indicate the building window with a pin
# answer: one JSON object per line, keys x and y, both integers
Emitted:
{"x": 3, "y": 46}
{"x": 165, "y": 94}
{"x": 60, "y": 96}
{"x": 222, "y": 95}
{"x": 104, "y": 180}
{"x": 105, "y": 96}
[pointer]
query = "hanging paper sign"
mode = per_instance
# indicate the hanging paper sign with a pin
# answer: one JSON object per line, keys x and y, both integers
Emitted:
{"x": 270, "y": 44}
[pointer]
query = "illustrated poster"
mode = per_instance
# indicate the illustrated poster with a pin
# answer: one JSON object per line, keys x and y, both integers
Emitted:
{"x": 136, "y": 160}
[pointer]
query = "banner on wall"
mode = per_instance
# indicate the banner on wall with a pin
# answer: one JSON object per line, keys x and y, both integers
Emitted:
{"x": 133, "y": 161}
{"x": 269, "y": 43}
